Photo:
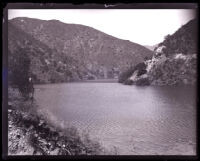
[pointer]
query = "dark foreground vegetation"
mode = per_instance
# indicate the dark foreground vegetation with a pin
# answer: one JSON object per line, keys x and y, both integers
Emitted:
{"x": 30, "y": 133}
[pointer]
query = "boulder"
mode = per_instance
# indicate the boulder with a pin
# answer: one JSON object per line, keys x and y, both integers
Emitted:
{"x": 180, "y": 56}
{"x": 134, "y": 76}
{"x": 55, "y": 151}
{"x": 160, "y": 49}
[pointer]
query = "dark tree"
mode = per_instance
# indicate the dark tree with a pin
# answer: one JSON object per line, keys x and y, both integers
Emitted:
{"x": 141, "y": 67}
{"x": 19, "y": 67}
{"x": 126, "y": 74}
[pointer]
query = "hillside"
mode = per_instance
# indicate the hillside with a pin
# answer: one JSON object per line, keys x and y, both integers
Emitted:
{"x": 46, "y": 66}
{"x": 184, "y": 40}
{"x": 71, "y": 51}
{"x": 174, "y": 61}
{"x": 151, "y": 47}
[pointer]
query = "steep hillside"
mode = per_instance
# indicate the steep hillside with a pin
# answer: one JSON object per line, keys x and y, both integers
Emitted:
{"x": 47, "y": 65}
{"x": 174, "y": 61}
{"x": 97, "y": 55}
{"x": 184, "y": 40}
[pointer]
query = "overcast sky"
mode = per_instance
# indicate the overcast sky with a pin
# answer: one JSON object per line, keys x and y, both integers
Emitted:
{"x": 142, "y": 26}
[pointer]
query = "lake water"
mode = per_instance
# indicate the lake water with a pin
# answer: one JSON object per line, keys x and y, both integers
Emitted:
{"x": 133, "y": 120}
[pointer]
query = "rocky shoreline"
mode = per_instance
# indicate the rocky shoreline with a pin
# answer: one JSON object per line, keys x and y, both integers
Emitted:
{"x": 163, "y": 70}
{"x": 30, "y": 134}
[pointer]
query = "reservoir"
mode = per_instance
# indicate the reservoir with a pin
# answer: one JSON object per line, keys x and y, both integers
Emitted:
{"x": 133, "y": 120}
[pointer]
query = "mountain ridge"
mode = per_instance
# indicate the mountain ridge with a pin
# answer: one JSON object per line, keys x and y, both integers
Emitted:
{"x": 93, "y": 28}
{"x": 97, "y": 55}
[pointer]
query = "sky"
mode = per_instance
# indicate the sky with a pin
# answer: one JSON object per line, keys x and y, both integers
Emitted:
{"x": 142, "y": 26}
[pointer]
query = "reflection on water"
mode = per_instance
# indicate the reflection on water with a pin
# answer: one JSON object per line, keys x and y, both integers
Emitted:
{"x": 136, "y": 120}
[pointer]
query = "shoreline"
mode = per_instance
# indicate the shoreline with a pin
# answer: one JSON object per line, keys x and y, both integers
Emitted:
{"x": 29, "y": 133}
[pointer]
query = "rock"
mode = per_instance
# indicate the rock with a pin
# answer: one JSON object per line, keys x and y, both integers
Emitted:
{"x": 41, "y": 122}
{"x": 36, "y": 135}
{"x": 144, "y": 76}
{"x": 9, "y": 143}
{"x": 59, "y": 143}
{"x": 134, "y": 76}
{"x": 30, "y": 128}
{"x": 180, "y": 56}
{"x": 9, "y": 110}
{"x": 38, "y": 153}
{"x": 160, "y": 49}
{"x": 142, "y": 82}
{"x": 68, "y": 152}
{"x": 55, "y": 151}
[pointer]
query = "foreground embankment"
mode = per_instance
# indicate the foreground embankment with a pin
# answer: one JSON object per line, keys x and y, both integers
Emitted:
{"x": 29, "y": 133}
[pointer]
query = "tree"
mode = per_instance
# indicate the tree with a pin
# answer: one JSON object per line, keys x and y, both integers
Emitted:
{"x": 141, "y": 67}
{"x": 126, "y": 74}
{"x": 19, "y": 67}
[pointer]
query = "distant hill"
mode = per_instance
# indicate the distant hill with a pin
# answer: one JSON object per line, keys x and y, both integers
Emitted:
{"x": 151, "y": 47}
{"x": 63, "y": 52}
